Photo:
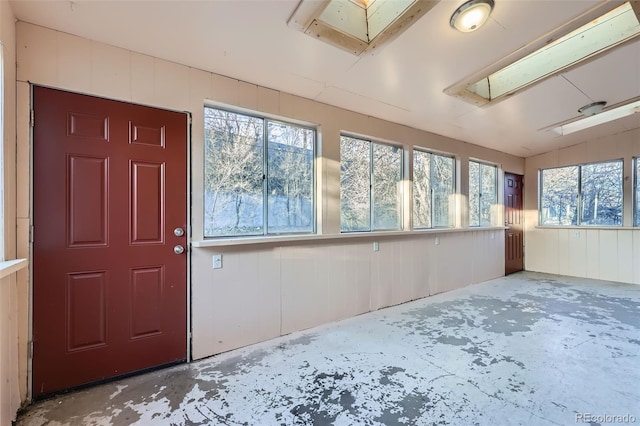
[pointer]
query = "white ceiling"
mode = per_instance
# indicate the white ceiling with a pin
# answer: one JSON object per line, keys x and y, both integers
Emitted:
{"x": 403, "y": 82}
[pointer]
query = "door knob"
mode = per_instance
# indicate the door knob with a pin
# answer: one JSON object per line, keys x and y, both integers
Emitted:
{"x": 178, "y": 249}
{"x": 178, "y": 232}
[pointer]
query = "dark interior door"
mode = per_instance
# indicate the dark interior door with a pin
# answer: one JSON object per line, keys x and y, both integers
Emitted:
{"x": 514, "y": 235}
{"x": 110, "y": 187}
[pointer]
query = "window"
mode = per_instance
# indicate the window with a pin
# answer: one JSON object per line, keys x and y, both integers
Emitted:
{"x": 483, "y": 193}
{"x": 637, "y": 197}
{"x": 589, "y": 194}
{"x": 259, "y": 176}
{"x": 559, "y": 200}
{"x": 433, "y": 188}
{"x": 370, "y": 185}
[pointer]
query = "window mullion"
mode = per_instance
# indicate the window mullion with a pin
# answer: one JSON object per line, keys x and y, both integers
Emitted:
{"x": 371, "y": 190}
{"x": 265, "y": 176}
{"x": 480, "y": 191}
{"x": 431, "y": 198}
{"x": 454, "y": 204}
{"x": 401, "y": 191}
{"x": 580, "y": 207}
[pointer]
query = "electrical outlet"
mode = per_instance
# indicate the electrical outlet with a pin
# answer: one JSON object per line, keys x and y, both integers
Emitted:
{"x": 217, "y": 261}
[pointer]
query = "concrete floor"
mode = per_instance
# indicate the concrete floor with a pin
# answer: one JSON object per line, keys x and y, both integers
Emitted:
{"x": 528, "y": 349}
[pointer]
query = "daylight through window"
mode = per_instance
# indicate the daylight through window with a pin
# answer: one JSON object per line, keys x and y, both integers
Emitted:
{"x": 259, "y": 176}
{"x": 433, "y": 188}
{"x": 370, "y": 185}
{"x": 589, "y": 194}
{"x": 483, "y": 193}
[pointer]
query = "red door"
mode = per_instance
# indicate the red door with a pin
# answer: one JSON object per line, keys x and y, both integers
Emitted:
{"x": 514, "y": 235}
{"x": 109, "y": 293}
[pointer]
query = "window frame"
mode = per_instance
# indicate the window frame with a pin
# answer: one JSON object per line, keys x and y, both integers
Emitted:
{"x": 579, "y": 199}
{"x": 372, "y": 142}
{"x": 451, "y": 214}
{"x": 266, "y": 119}
{"x": 492, "y": 219}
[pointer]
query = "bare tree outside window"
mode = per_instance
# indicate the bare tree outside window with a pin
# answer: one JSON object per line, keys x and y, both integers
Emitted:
{"x": 355, "y": 185}
{"x": 387, "y": 176}
{"x": 370, "y": 185}
{"x": 421, "y": 189}
{"x": 290, "y": 183}
{"x": 601, "y": 194}
{"x": 559, "y": 199}
{"x": 249, "y": 172}
{"x": 589, "y": 194}
{"x": 233, "y": 174}
{"x": 433, "y": 188}
{"x": 474, "y": 193}
{"x": 483, "y": 193}
{"x": 443, "y": 189}
{"x": 488, "y": 193}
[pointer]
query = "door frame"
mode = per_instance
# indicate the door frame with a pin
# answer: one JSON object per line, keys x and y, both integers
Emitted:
{"x": 29, "y": 122}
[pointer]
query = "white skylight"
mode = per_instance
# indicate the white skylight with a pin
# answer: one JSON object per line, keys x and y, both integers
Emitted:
{"x": 601, "y": 34}
{"x": 357, "y": 26}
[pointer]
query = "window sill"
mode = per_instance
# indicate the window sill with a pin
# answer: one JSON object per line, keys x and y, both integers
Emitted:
{"x": 598, "y": 227}
{"x": 8, "y": 267}
{"x": 240, "y": 241}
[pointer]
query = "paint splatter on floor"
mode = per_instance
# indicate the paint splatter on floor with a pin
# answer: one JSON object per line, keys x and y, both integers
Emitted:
{"x": 528, "y": 349}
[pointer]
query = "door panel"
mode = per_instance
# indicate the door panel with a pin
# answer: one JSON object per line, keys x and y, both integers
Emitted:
{"x": 87, "y": 200}
{"x": 514, "y": 235}
{"x": 86, "y": 310}
{"x": 147, "y": 215}
{"x": 109, "y": 293}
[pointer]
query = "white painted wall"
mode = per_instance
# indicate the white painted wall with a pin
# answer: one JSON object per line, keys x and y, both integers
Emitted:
{"x": 271, "y": 288}
{"x": 264, "y": 292}
{"x": 10, "y": 392}
{"x": 599, "y": 253}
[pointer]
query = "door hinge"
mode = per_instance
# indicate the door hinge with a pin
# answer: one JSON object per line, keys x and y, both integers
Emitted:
{"x": 32, "y": 118}
{"x": 32, "y": 231}
{"x": 30, "y": 349}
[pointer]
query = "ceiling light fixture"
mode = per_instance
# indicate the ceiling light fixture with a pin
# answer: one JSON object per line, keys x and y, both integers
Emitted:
{"x": 471, "y": 15}
{"x": 592, "y": 109}
{"x": 596, "y": 118}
